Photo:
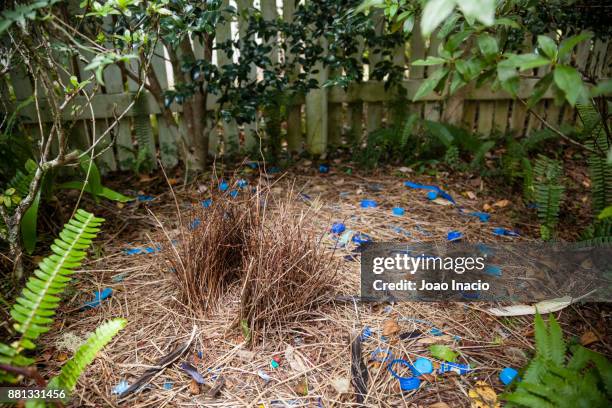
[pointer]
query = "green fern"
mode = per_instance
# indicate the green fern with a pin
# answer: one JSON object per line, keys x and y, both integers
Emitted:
{"x": 548, "y": 193}
{"x": 601, "y": 173}
{"x": 550, "y": 380}
{"x": 35, "y": 307}
{"x": 142, "y": 129}
{"x": 73, "y": 369}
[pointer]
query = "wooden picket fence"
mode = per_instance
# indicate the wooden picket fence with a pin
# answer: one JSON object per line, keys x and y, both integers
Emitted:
{"x": 332, "y": 116}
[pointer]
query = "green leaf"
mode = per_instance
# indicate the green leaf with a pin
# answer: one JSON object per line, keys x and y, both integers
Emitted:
{"x": 567, "y": 45}
{"x": 540, "y": 89}
{"x": 606, "y": 213}
{"x": 28, "y": 225}
{"x": 430, "y": 83}
{"x": 434, "y": 13}
{"x": 527, "y": 61}
{"x": 442, "y": 352}
{"x": 602, "y": 88}
{"x": 570, "y": 82}
{"x": 429, "y": 61}
{"x": 481, "y": 10}
{"x": 488, "y": 45}
{"x": 548, "y": 45}
{"x": 246, "y": 331}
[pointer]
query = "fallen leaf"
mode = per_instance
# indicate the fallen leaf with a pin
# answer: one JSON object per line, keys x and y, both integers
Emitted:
{"x": 442, "y": 352}
{"x": 301, "y": 387}
{"x": 341, "y": 385}
{"x": 501, "y": 203}
{"x": 543, "y": 307}
{"x": 470, "y": 195}
{"x": 339, "y": 182}
{"x": 390, "y": 327}
{"x": 439, "y": 405}
{"x": 120, "y": 205}
{"x": 441, "y": 201}
{"x": 172, "y": 181}
{"x": 296, "y": 362}
{"x": 588, "y": 338}
{"x": 62, "y": 356}
{"x": 431, "y": 340}
{"x": 246, "y": 355}
{"x": 483, "y": 396}
{"x": 487, "y": 207}
{"x": 404, "y": 170}
{"x": 194, "y": 387}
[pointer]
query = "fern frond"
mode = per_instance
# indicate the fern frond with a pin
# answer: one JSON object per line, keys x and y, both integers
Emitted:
{"x": 556, "y": 344}
{"x": 601, "y": 173}
{"x": 541, "y": 337}
{"x": 142, "y": 130}
{"x": 73, "y": 369}
{"x": 548, "y": 192}
{"x": 39, "y": 299}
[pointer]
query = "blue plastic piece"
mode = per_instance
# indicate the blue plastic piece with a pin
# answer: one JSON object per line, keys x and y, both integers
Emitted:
{"x": 493, "y": 270}
{"x": 323, "y": 168}
{"x": 144, "y": 198}
{"x": 507, "y": 375}
{"x": 99, "y": 296}
{"x": 223, "y": 186}
{"x": 234, "y": 193}
{"x": 360, "y": 238}
{"x": 504, "y": 232}
{"x": 121, "y": 387}
{"x": 242, "y": 183}
{"x": 432, "y": 195}
{"x": 435, "y": 189}
{"x": 398, "y": 211}
{"x": 305, "y": 197}
{"x": 423, "y": 366}
{"x": 133, "y": 251}
{"x": 436, "y": 332}
{"x": 406, "y": 383}
{"x": 274, "y": 170}
{"x": 454, "y": 236}
{"x": 381, "y": 355}
{"x": 195, "y": 224}
{"x": 368, "y": 204}
{"x": 366, "y": 333}
{"x": 253, "y": 165}
{"x": 168, "y": 385}
{"x": 206, "y": 203}
{"x": 457, "y": 368}
{"x": 338, "y": 228}
{"x": 484, "y": 217}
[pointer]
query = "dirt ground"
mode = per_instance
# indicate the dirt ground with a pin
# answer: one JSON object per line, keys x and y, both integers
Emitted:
{"x": 145, "y": 292}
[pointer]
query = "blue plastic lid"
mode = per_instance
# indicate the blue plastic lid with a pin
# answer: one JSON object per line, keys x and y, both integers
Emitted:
{"x": 360, "y": 238}
{"x": 423, "y": 366}
{"x": 323, "y": 168}
{"x": 338, "y": 228}
{"x": 507, "y": 375}
{"x": 432, "y": 195}
{"x": 206, "y": 203}
{"x": 398, "y": 211}
{"x": 223, "y": 186}
{"x": 368, "y": 204}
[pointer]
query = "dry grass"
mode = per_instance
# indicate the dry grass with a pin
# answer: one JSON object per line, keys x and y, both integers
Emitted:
{"x": 286, "y": 271}
{"x": 282, "y": 272}
{"x": 208, "y": 257}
